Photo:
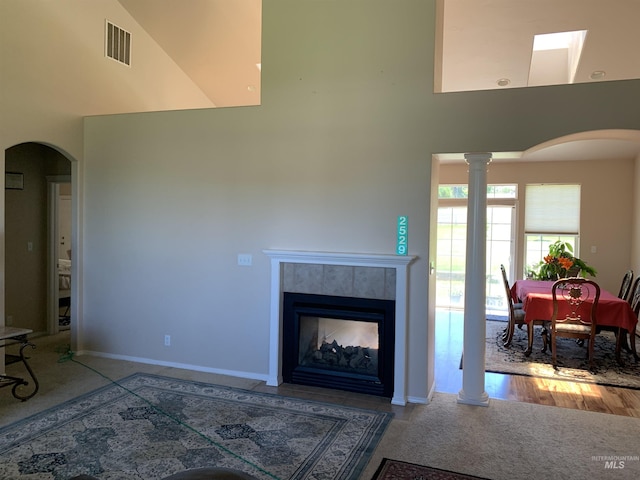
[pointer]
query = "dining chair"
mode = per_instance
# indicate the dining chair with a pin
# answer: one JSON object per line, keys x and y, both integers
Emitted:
{"x": 625, "y": 290}
{"x": 516, "y": 313}
{"x": 625, "y": 287}
{"x": 634, "y": 302}
{"x": 634, "y": 298}
{"x": 574, "y": 313}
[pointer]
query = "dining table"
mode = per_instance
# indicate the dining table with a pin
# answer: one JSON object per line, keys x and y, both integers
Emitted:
{"x": 537, "y": 303}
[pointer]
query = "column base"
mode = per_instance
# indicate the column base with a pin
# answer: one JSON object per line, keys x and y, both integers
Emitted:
{"x": 481, "y": 401}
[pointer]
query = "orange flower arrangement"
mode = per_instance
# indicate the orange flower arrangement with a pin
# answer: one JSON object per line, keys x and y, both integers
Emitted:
{"x": 559, "y": 261}
{"x": 563, "y": 262}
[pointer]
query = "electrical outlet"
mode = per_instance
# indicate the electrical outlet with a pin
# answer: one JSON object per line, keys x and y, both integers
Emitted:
{"x": 9, "y": 320}
{"x": 167, "y": 340}
{"x": 245, "y": 259}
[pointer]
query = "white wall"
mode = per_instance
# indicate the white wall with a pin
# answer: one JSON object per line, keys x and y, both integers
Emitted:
{"x": 341, "y": 145}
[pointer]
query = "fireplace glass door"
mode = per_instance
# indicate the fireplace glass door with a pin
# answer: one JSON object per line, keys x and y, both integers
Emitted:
{"x": 338, "y": 345}
{"x": 339, "y": 342}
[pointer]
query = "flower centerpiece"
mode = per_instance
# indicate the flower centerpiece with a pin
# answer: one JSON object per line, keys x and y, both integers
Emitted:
{"x": 560, "y": 263}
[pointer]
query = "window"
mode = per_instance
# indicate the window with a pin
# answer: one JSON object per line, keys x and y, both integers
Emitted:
{"x": 451, "y": 244}
{"x": 453, "y": 191}
{"x": 552, "y": 212}
{"x": 462, "y": 191}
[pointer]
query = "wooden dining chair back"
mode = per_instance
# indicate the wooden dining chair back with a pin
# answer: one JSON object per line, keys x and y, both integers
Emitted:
{"x": 575, "y": 301}
{"x": 623, "y": 339}
{"x": 634, "y": 296}
{"x": 624, "y": 294}
{"x": 634, "y": 303}
{"x": 625, "y": 286}
{"x": 516, "y": 313}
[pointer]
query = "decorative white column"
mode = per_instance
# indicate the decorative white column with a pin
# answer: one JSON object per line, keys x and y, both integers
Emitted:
{"x": 475, "y": 321}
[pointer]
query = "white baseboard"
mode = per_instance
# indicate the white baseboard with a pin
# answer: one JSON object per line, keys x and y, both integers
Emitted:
{"x": 184, "y": 366}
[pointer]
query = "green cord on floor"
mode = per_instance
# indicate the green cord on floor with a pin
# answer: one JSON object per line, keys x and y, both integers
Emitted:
{"x": 66, "y": 354}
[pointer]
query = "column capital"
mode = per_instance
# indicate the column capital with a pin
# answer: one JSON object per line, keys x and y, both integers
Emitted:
{"x": 478, "y": 157}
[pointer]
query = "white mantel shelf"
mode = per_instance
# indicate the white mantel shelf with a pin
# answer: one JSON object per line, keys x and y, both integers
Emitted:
{"x": 329, "y": 258}
{"x": 399, "y": 262}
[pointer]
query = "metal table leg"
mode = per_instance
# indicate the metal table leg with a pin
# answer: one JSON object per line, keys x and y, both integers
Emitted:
{"x": 17, "y": 382}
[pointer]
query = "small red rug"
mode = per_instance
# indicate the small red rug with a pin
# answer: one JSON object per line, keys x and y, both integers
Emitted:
{"x": 397, "y": 470}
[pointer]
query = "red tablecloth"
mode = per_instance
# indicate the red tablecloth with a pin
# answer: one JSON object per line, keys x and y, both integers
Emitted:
{"x": 537, "y": 304}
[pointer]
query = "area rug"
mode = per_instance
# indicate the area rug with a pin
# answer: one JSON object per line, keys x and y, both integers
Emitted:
{"x": 397, "y": 470}
{"x": 572, "y": 359}
{"x": 149, "y": 427}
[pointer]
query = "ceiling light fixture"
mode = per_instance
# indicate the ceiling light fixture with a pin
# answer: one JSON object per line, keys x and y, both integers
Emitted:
{"x": 503, "y": 82}
{"x": 597, "y": 75}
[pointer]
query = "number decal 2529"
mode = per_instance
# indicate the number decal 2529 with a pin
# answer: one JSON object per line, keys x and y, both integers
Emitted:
{"x": 403, "y": 235}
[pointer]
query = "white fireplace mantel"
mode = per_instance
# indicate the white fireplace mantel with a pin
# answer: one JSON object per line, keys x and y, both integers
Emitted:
{"x": 399, "y": 263}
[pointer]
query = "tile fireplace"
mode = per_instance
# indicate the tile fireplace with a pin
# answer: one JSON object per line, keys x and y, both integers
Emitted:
{"x": 352, "y": 275}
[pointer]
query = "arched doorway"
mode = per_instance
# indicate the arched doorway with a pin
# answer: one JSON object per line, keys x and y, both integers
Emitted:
{"x": 37, "y": 176}
{"x": 601, "y": 162}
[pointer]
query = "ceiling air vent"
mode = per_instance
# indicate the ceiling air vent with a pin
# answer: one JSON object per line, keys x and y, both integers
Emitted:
{"x": 118, "y": 44}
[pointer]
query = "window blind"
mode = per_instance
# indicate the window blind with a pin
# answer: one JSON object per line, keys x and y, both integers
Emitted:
{"x": 552, "y": 209}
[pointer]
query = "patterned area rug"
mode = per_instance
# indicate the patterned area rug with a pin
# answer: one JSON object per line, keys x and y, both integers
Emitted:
{"x": 572, "y": 359}
{"x": 397, "y": 470}
{"x": 149, "y": 427}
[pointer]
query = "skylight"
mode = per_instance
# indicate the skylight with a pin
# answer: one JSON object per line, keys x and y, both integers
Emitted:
{"x": 555, "y": 57}
{"x": 554, "y": 41}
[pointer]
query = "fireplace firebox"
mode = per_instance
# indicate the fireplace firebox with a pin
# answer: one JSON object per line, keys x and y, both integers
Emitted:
{"x": 337, "y": 342}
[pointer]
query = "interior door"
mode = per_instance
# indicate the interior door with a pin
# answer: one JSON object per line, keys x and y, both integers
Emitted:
{"x": 64, "y": 227}
{"x": 59, "y": 244}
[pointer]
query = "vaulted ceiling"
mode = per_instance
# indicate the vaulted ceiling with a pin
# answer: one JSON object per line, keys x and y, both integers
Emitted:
{"x": 217, "y": 43}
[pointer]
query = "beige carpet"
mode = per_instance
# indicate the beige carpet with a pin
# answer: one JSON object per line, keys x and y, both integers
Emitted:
{"x": 511, "y": 440}
{"x": 573, "y": 365}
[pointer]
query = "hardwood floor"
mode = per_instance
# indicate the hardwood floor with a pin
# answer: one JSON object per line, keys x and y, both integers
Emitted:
{"x": 559, "y": 393}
